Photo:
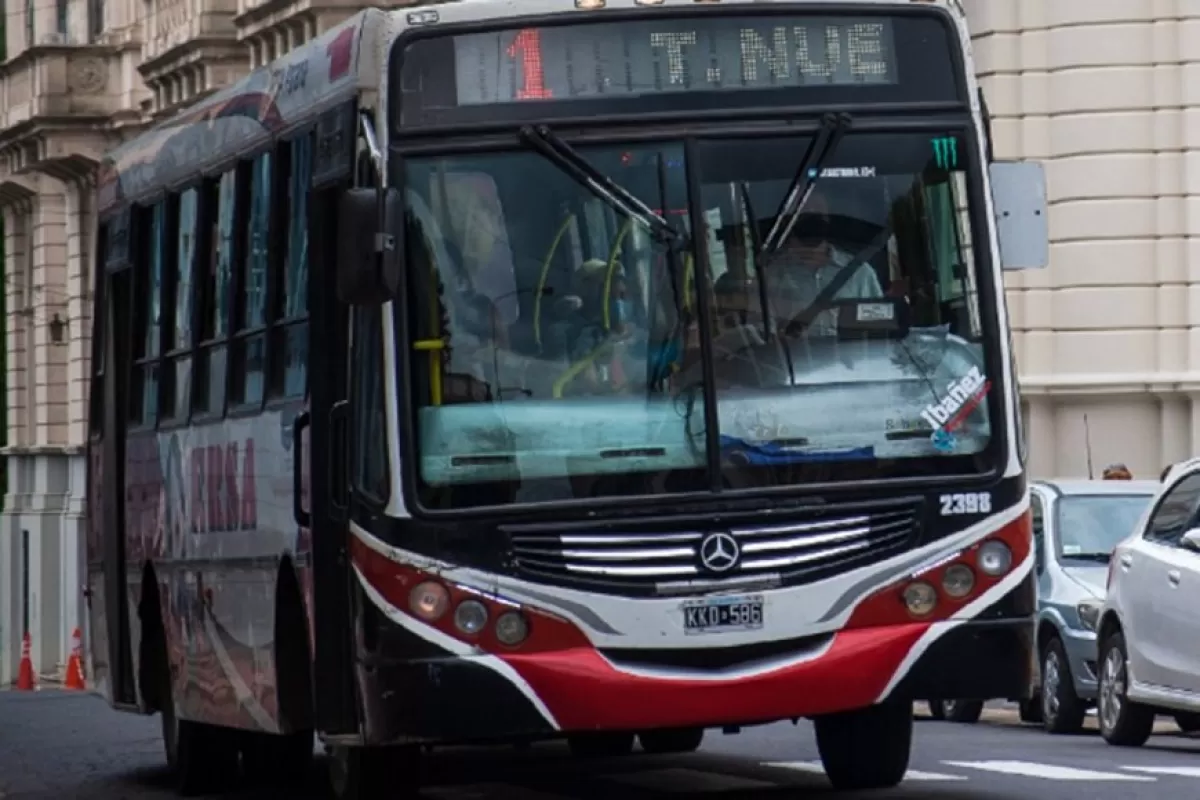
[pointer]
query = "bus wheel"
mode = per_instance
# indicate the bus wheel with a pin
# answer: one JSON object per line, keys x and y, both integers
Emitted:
{"x": 600, "y": 744}
{"x": 867, "y": 748}
{"x": 671, "y": 740}
{"x": 201, "y": 758}
{"x": 367, "y": 773}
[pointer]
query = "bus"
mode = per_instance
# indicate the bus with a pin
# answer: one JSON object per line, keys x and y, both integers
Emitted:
{"x": 606, "y": 371}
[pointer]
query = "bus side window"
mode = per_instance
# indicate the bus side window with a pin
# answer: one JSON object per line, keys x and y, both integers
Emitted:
{"x": 249, "y": 344}
{"x": 151, "y": 246}
{"x": 1039, "y": 531}
{"x": 289, "y": 308}
{"x": 370, "y": 459}
{"x": 216, "y": 268}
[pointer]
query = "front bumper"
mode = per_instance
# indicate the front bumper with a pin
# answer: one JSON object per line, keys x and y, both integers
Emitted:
{"x": 457, "y": 699}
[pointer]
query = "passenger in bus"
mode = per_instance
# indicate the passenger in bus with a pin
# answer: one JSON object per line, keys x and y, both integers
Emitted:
{"x": 808, "y": 263}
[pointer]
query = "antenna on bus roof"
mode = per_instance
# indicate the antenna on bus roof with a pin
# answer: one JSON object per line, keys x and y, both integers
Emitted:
{"x": 1087, "y": 442}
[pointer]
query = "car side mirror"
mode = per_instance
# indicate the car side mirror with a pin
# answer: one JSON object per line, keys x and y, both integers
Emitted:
{"x": 1191, "y": 540}
{"x": 1019, "y": 203}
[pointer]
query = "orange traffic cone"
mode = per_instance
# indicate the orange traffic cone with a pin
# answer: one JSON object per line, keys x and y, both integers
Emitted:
{"x": 74, "y": 666}
{"x": 25, "y": 681}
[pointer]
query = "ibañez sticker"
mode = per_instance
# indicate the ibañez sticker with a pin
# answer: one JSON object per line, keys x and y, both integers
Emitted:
{"x": 947, "y": 415}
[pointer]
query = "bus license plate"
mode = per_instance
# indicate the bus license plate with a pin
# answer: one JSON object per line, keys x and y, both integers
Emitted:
{"x": 720, "y": 614}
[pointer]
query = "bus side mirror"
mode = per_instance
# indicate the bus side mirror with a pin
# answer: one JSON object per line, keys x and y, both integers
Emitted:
{"x": 1019, "y": 202}
{"x": 368, "y": 259}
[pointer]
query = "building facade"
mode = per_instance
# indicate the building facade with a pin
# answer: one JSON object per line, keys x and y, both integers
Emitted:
{"x": 78, "y": 77}
{"x": 1106, "y": 93}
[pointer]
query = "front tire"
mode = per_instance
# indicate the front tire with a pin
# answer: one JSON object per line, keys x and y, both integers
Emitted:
{"x": 1123, "y": 723}
{"x": 1062, "y": 710}
{"x": 867, "y": 748}
{"x": 374, "y": 773}
{"x": 671, "y": 740}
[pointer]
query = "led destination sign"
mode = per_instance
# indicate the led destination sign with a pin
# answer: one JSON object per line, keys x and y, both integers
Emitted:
{"x": 661, "y": 63}
{"x": 567, "y": 62}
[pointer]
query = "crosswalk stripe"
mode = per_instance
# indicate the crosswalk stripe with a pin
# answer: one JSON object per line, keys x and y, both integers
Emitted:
{"x": 1052, "y": 772}
{"x": 1183, "y": 772}
{"x": 815, "y": 768}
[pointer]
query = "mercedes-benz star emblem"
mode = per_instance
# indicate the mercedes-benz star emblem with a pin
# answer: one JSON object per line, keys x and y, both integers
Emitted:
{"x": 719, "y": 552}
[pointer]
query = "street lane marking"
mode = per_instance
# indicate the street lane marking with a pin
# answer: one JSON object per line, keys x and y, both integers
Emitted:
{"x": 815, "y": 768}
{"x": 1051, "y": 772}
{"x": 1183, "y": 772}
{"x": 688, "y": 781}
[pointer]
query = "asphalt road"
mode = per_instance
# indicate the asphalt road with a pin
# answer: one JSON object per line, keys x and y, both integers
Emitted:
{"x": 55, "y": 745}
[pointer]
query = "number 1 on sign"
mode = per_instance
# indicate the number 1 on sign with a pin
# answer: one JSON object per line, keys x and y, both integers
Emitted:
{"x": 527, "y": 49}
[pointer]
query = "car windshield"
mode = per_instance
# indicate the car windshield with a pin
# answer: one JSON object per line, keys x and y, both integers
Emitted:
{"x": 555, "y": 341}
{"x": 1090, "y": 526}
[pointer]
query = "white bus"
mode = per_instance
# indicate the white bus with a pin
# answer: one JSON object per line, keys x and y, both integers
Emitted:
{"x": 605, "y": 371}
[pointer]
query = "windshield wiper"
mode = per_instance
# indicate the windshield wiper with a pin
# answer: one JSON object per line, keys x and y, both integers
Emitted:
{"x": 555, "y": 150}
{"x": 833, "y": 128}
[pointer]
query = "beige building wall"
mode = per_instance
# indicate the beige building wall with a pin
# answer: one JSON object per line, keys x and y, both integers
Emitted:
{"x": 1107, "y": 94}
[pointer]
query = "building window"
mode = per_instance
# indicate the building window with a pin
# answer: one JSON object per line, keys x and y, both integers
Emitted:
{"x": 60, "y": 18}
{"x": 30, "y": 14}
{"x": 95, "y": 19}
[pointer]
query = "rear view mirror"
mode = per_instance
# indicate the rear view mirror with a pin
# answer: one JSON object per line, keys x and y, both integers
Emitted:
{"x": 1191, "y": 540}
{"x": 1019, "y": 202}
{"x": 368, "y": 259}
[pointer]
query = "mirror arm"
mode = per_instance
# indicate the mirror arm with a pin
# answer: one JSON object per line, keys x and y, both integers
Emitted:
{"x": 384, "y": 242}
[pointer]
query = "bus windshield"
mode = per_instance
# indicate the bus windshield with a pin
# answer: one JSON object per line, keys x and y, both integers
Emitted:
{"x": 556, "y": 341}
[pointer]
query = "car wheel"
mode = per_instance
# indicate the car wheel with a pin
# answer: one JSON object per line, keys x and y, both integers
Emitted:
{"x": 867, "y": 748}
{"x": 1123, "y": 722}
{"x": 937, "y": 709}
{"x": 967, "y": 711}
{"x": 1062, "y": 710}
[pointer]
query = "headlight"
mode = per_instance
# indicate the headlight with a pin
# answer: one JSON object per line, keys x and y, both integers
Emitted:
{"x": 994, "y": 558}
{"x": 920, "y": 598}
{"x": 1089, "y": 615}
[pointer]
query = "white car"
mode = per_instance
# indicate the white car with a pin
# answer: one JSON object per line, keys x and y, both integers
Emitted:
{"x": 1149, "y": 627}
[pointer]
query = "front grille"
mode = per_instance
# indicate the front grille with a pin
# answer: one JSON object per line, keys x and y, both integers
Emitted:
{"x": 797, "y": 548}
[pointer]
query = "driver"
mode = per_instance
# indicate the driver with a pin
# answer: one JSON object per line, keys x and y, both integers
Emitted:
{"x": 809, "y": 262}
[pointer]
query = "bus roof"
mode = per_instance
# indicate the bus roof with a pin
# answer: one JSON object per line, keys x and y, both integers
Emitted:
{"x": 453, "y": 11}
{"x": 272, "y": 101}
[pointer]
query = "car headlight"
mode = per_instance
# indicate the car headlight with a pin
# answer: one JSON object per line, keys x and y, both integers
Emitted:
{"x": 1089, "y": 615}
